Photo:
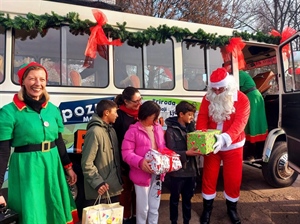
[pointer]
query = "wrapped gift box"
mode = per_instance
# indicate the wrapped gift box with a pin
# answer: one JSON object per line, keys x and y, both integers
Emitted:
{"x": 163, "y": 160}
{"x": 203, "y": 140}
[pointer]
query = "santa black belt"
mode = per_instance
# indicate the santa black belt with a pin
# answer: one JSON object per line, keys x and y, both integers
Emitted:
{"x": 249, "y": 90}
{"x": 44, "y": 147}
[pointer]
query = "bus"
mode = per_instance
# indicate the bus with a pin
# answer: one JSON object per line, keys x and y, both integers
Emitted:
{"x": 155, "y": 57}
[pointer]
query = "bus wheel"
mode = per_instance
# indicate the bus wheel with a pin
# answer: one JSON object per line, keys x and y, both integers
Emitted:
{"x": 276, "y": 172}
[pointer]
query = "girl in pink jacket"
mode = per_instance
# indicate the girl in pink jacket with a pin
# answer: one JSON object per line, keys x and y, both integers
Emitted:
{"x": 145, "y": 134}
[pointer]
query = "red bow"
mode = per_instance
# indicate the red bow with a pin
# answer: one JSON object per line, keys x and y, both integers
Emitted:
{"x": 166, "y": 151}
{"x": 286, "y": 34}
{"x": 235, "y": 47}
{"x": 98, "y": 39}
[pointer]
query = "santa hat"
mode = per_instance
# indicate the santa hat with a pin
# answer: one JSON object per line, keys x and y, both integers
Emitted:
{"x": 24, "y": 68}
{"x": 219, "y": 78}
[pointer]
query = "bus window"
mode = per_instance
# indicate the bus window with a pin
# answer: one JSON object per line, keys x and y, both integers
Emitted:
{"x": 18, "y": 61}
{"x": 2, "y": 36}
{"x": 215, "y": 59}
{"x": 159, "y": 66}
{"x": 62, "y": 54}
{"x": 292, "y": 66}
{"x": 30, "y": 45}
{"x": 147, "y": 68}
{"x": 96, "y": 73}
{"x": 193, "y": 59}
{"x": 128, "y": 66}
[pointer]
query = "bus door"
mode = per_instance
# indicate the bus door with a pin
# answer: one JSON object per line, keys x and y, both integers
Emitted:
{"x": 290, "y": 98}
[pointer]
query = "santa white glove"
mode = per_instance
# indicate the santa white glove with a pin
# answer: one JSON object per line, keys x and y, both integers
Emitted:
{"x": 219, "y": 143}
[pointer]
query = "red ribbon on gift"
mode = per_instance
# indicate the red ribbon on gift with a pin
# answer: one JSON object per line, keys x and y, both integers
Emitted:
{"x": 168, "y": 152}
{"x": 286, "y": 34}
{"x": 98, "y": 39}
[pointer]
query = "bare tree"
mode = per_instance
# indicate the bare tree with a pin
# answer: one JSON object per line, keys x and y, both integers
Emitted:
{"x": 213, "y": 12}
{"x": 276, "y": 14}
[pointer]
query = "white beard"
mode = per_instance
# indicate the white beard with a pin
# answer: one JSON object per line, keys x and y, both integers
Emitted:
{"x": 221, "y": 106}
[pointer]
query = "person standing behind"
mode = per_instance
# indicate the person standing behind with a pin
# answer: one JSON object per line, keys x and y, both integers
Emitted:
{"x": 33, "y": 126}
{"x": 257, "y": 127}
{"x": 183, "y": 181}
{"x": 142, "y": 136}
{"x": 225, "y": 108}
{"x": 129, "y": 103}
{"x": 100, "y": 160}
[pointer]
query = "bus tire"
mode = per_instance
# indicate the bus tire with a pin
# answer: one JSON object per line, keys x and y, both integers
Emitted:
{"x": 276, "y": 172}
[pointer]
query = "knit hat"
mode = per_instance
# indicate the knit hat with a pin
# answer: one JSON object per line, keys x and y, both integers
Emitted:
{"x": 25, "y": 66}
{"x": 219, "y": 78}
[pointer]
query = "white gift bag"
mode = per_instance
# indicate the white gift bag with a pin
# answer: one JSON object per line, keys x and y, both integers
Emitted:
{"x": 111, "y": 213}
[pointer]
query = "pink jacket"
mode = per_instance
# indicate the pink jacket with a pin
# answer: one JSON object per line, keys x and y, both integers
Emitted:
{"x": 135, "y": 145}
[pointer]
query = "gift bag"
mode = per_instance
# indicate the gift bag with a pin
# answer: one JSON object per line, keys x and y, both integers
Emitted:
{"x": 163, "y": 160}
{"x": 110, "y": 213}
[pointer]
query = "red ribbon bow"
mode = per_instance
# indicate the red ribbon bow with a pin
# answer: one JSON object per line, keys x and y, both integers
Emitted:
{"x": 98, "y": 36}
{"x": 286, "y": 34}
{"x": 235, "y": 47}
{"x": 166, "y": 151}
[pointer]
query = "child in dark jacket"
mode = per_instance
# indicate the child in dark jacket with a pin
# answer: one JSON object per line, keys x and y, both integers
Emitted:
{"x": 182, "y": 181}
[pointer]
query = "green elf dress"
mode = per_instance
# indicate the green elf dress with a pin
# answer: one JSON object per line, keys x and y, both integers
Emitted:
{"x": 37, "y": 186}
{"x": 257, "y": 127}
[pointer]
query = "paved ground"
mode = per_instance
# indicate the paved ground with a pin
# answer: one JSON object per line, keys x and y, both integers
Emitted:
{"x": 259, "y": 203}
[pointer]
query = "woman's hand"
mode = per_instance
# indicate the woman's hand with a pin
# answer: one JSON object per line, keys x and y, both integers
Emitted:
{"x": 2, "y": 200}
{"x": 72, "y": 177}
{"x": 146, "y": 167}
{"x": 103, "y": 189}
{"x": 193, "y": 152}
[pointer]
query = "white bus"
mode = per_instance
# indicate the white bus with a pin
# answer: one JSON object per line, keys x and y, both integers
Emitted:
{"x": 163, "y": 71}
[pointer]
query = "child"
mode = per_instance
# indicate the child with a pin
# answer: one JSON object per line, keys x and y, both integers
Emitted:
{"x": 145, "y": 134}
{"x": 182, "y": 181}
{"x": 100, "y": 155}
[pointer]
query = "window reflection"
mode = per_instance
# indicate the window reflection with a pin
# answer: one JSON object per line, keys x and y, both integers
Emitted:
{"x": 194, "y": 72}
{"x": 291, "y": 64}
{"x": 149, "y": 68}
{"x": 128, "y": 66}
{"x": 158, "y": 66}
{"x": 62, "y": 54}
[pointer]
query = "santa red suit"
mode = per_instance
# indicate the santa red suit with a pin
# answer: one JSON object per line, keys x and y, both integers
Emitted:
{"x": 227, "y": 109}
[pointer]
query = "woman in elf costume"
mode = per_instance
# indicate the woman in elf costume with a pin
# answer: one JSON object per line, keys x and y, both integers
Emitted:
{"x": 257, "y": 127}
{"x": 129, "y": 103}
{"x": 37, "y": 187}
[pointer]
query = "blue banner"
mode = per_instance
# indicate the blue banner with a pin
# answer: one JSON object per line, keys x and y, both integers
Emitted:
{"x": 75, "y": 112}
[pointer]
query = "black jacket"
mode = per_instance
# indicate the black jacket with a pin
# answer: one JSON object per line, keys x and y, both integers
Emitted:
{"x": 176, "y": 140}
{"x": 121, "y": 126}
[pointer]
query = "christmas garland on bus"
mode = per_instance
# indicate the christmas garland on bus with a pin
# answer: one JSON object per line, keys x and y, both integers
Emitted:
{"x": 151, "y": 35}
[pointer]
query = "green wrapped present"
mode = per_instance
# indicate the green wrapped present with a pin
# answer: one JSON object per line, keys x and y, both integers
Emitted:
{"x": 203, "y": 140}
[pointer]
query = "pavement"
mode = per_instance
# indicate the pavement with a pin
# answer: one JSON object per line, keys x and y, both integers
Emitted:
{"x": 259, "y": 203}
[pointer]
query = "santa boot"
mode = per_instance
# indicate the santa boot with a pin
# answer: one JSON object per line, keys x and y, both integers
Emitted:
{"x": 207, "y": 208}
{"x": 232, "y": 212}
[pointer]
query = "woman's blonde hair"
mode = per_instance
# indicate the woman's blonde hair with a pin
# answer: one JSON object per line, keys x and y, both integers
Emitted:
{"x": 22, "y": 91}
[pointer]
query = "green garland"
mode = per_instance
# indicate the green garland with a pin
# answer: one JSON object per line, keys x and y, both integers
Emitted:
{"x": 41, "y": 23}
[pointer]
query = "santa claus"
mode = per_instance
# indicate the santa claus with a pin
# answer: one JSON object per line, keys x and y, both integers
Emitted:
{"x": 225, "y": 108}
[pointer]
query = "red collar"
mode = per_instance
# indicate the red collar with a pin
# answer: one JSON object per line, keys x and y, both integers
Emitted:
{"x": 21, "y": 105}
